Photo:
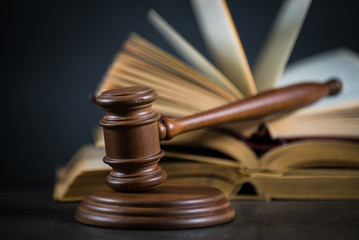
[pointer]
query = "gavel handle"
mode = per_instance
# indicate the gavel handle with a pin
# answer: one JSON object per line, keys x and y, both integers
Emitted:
{"x": 273, "y": 101}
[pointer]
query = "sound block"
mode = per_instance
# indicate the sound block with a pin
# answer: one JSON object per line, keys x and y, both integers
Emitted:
{"x": 169, "y": 206}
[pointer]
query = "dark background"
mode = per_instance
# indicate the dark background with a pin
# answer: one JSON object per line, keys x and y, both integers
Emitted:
{"x": 54, "y": 53}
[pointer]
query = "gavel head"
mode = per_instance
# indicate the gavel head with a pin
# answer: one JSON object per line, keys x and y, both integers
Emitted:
{"x": 131, "y": 139}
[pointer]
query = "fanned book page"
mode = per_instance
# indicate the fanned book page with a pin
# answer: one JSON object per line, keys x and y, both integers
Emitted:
{"x": 190, "y": 54}
{"x": 223, "y": 42}
{"x": 182, "y": 90}
{"x": 273, "y": 58}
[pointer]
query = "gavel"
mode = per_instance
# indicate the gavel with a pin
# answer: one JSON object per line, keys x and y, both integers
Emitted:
{"x": 133, "y": 131}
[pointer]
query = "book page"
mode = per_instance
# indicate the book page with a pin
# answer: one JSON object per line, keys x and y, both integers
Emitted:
{"x": 243, "y": 155}
{"x": 87, "y": 160}
{"x": 160, "y": 59}
{"x": 339, "y": 63}
{"x": 221, "y": 177}
{"x": 190, "y": 54}
{"x": 275, "y": 53}
{"x": 182, "y": 90}
{"x": 332, "y": 116}
{"x": 305, "y": 154}
{"x": 221, "y": 37}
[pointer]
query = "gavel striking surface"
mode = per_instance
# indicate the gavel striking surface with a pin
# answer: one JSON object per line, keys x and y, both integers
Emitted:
{"x": 168, "y": 206}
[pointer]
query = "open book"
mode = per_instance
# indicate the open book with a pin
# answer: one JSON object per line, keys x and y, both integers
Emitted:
{"x": 320, "y": 169}
{"x": 312, "y": 151}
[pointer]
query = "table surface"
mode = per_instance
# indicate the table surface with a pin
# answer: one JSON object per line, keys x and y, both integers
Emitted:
{"x": 30, "y": 212}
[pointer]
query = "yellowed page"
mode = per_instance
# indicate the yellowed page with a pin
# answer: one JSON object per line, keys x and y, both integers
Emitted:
{"x": 179, "y": 94}
{"x": 275, "y": 53}
{"x": 202, "y": 158}
{"x": 176, "y": 86}
{"x": 221, "y": 177}
{"x": 331, "y": 116}
{"x": 160, "y": 59}
{"x": 149, "y": 58}
{"x": 223, "y": 42}
{"x": 328, "y": 184}
{"x": 304, "y": 154}
{"x": 245, "y": 157}
{"x": 190, "y": 54}
{"x": 87, "y": 159}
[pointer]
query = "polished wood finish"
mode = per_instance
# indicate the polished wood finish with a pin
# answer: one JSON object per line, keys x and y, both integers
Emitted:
{"x": 135, "y": 196}
{"x": 269, "y": 102}
{"x": 169, "y": 206}
{"x": 132, "y": 131}
{"x": 131, "y": 139}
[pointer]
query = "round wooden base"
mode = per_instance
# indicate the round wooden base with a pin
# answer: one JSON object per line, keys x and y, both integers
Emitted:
{"x": 169, "y": 206}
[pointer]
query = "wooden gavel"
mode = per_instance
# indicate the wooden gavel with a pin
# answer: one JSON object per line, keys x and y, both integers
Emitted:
{"x": 133, "y": 131}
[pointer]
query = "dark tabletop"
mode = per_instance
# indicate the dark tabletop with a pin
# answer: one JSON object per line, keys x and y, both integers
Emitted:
{"x": 30, "y": 212}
